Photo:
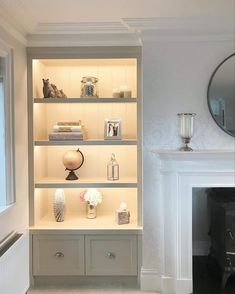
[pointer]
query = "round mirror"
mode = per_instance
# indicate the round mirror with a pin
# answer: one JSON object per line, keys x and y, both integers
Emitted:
{"x": 221, "y": 95}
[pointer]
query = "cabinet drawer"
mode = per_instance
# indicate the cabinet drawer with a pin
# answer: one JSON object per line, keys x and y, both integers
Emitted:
{"x": 111, "y": 255}
{"x": 58, "y": 255}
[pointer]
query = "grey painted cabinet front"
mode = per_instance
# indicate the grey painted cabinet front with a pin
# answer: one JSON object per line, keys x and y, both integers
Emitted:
{"x": 91, "y": 255}
{"x": 111, "y": 255}
{"x": 58, "y": 255}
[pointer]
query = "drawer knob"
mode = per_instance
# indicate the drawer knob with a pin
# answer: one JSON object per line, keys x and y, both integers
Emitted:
{"x": 111, "y": 255}
{"x": 59, "y": 255}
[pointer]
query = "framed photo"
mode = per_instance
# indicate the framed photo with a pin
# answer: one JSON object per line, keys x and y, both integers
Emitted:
{"x": 112, "y": 129}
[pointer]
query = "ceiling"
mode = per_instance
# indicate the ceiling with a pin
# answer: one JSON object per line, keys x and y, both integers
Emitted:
{"x": 32, "y": 18}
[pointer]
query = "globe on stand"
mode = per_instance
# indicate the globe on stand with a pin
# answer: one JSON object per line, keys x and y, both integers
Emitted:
{"x": 73, "y": 160}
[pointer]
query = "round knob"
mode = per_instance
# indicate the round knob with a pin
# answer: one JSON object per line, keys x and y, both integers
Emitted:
{"x": 59, "y": 255}
{"x": 111, "y": 255}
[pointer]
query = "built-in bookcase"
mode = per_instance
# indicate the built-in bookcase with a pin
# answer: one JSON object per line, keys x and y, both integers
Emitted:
{"x": 65, "y": 67}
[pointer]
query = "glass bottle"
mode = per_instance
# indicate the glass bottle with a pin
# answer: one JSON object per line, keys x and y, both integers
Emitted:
{"x": 112, "y": 169}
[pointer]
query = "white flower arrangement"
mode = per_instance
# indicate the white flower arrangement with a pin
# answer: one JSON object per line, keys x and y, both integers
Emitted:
{"x": 92, "y": 196}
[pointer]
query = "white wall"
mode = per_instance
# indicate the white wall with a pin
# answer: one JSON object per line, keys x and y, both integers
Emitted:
{"x": 16, "y": 217}
{"x": 176, "y": 76}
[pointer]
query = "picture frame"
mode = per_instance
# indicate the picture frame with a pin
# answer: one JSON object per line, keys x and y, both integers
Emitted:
{"x": 112, "y": 129}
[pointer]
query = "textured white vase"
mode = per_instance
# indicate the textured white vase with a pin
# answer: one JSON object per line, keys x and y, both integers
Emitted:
{"x": 59, "y": 205}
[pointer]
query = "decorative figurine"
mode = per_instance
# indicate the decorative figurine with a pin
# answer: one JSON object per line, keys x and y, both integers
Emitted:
{"x": 73, "y": 160}
{"x": 51, "y": 91}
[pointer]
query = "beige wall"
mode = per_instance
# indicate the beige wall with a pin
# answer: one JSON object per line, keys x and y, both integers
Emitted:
{"x": 16, "y": 217}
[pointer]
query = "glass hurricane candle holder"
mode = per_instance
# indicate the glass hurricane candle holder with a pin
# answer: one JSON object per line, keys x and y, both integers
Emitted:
{"x": 186, "y": 129}
{"x": 112, "y": 169}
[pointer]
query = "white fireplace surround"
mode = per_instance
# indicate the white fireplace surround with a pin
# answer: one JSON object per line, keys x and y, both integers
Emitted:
{"x": 179, "y": 173}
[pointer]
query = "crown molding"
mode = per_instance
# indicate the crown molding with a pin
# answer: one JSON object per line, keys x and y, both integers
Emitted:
{"x": 182, "y": 25}
{"x": 91, "y": 39}
{"x": 18, "y": 15}
{"x": 11, "y": 30}
{"x": 80, "y": 28}
{"x": 160, "y": 36}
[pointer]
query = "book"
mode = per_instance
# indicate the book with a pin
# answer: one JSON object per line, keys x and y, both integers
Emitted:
{"x": 69, "y": 123}
{"x": 67, "y": 128}
{"x": 65, "y": 136}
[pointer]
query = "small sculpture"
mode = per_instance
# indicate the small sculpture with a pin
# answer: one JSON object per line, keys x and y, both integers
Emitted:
{"x": 51, "y": 91}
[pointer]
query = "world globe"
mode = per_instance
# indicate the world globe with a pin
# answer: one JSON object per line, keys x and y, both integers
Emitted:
{"x": 73, "y": 160}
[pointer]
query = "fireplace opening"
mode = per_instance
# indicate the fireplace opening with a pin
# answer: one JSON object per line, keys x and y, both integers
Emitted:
{"x": 213, "y": 240}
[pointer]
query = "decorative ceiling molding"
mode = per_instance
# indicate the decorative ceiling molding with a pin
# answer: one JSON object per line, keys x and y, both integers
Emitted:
{"x": 18, "y": 15}
{"x": 182, "y": 25}
{"x": 23, "y": 26}
{"x": 91, "y": 39}
{"x": 10, "y": 29}
{"x": 80, "y": 28}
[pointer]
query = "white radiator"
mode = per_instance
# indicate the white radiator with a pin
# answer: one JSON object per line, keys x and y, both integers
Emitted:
{"x": 14, "y": 265}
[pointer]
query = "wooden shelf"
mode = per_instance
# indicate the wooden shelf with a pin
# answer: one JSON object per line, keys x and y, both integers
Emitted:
{"x": 85, "y": 142}
{"x": 86, "y": 183}
{"x": 85, "y": 100}
{"x": 80, "y": 222}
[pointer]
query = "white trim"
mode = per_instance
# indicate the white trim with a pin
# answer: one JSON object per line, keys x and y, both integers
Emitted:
{"x": 80, "y": 28}
{"x": 195, "y": 155}
{"x": 179, "y": 173}
{"x": 150, "y": 280}
{"x": 14, "y": 32}
{"x": 5, "y": 208}
{"x": 73, "y": 40}
{"x": 201, "y": 25}
{"x": 7, "y": 54}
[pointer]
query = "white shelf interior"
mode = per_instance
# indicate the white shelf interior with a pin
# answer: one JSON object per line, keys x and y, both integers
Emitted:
{"x": 92, "y": 116}
{"x": 48, "y": 162}
{"x": 76, "y": 210}
{"x": 49, "y": 171}
{"x": 66, "y": 74}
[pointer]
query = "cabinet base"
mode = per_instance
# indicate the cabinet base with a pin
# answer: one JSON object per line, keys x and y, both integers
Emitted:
{"x": 63, "y": 281}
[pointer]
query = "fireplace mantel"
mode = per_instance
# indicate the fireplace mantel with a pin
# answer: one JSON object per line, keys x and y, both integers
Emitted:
{"x": 180, "y": 172}
{"x": 196, "y": 155}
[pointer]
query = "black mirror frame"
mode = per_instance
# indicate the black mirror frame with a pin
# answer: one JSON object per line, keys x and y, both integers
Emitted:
{"x": 208, "y": 93}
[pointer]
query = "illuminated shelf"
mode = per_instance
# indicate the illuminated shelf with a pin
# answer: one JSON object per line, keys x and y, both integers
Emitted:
{"x": 85, "y": 100}
{"x": 86, "y": 183}
{"x": 85, "y": 142}
{"x": 80, "y": 222}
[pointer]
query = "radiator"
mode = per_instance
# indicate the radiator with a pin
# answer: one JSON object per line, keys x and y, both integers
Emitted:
{"x": 14, "y": 264}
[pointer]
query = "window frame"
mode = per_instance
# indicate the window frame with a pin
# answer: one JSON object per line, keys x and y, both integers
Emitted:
{"x": 6, "y": 53}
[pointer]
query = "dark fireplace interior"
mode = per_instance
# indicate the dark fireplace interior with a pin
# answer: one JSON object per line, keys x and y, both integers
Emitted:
{"x": 213, "y": 240}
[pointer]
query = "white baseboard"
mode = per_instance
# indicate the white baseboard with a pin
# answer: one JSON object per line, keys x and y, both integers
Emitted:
{"x": 150, "y": 280}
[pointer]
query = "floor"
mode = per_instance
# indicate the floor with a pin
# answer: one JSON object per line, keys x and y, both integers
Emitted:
{"x": 95, "y": 285}
{"x": 86, "y": 290}
{"x": 207, "y": 278}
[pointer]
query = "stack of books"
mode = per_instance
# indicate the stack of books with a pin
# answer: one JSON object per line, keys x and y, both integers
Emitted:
{"x": 71, "y": 130}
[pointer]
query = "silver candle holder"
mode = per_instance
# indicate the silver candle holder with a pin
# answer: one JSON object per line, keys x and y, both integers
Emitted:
{"x": 186, "y": 129}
